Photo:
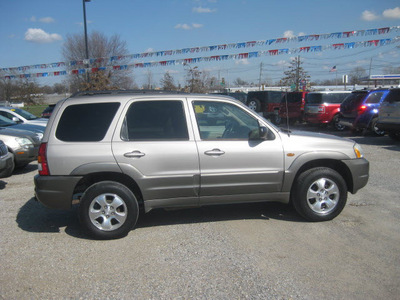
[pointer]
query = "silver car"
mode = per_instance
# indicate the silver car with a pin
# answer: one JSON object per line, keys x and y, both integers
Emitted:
{"x": 22, "y": 144}
{"x": 6, "y": 161}
{"x": 114, "y": 152}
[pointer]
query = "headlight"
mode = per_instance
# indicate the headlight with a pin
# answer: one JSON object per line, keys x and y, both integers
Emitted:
{"x": 358, "y": 150}
{"x": 24, "y": 142}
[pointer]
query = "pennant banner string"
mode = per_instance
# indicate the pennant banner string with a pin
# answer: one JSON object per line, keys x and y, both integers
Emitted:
{"x": 245, "y": 55}
{"x": 184, "y": 51}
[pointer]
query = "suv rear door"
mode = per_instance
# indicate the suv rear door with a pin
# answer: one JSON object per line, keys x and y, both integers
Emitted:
{"x": 234, "y": 167}
{"x": 155, "y": 146}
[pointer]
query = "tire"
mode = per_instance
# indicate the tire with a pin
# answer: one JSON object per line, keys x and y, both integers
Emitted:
{"x": 319, "y": 194}
{"x": 254, "y": 104}
{"x": 375, "y": 130}
{"x": 336, "y": 124}
{"x": 108, "y": 210}
{"x": 276, "y": 119}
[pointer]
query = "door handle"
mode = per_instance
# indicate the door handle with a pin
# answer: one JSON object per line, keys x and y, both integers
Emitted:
{"x": 214, "y": 152}
{"x": 135, "y": 153}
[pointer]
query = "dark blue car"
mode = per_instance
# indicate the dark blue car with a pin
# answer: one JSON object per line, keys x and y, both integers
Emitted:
{"x": 360, "y": 110}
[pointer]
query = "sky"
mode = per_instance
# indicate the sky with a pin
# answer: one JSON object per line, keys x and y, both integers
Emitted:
{"x": 33, "y": 32}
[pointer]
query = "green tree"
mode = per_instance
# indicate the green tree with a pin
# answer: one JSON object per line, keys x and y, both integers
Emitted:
{"x": 295, "y": 74}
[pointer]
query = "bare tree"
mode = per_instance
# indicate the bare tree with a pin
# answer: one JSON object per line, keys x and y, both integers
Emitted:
{"x": 101, "y": 49}
{"x": 357, "y": 74}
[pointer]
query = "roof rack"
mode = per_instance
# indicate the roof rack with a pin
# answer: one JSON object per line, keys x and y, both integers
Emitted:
{"x": 116, "y": 92}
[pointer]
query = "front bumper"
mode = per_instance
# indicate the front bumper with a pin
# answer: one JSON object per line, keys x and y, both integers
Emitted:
{"x": 359, "y": 169}
{"x": 55, "y": 191}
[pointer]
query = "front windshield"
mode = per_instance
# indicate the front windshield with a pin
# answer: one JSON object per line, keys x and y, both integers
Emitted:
{"x": 4, "y": 122}
{"x": 24, "y": 113}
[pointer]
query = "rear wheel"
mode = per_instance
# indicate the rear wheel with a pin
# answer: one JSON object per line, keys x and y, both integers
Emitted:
{"x": 108, "y": 210}
{"x": 336, "y": 124}
{"x": 375, "y": 129}
{"x": 319, "y": 194}
{"x": 254, "y": 104}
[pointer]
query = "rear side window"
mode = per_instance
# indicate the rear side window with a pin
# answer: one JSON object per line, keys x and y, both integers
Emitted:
{"x": 86, "y": 122}
{"x": 374, "y": 97}
{"x": 155, "y": 120}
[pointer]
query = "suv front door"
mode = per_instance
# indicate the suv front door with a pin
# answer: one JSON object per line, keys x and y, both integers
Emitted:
{"x": 233, "y": 166}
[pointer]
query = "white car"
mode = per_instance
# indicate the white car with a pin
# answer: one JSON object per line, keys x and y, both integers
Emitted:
{"x": 19, "y": 115}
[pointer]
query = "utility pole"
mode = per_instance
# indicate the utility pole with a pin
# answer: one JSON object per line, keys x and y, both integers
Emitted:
{"x": 259, "y": 79}
{"x": 370, "y": 65}
{"x": 298, "y": 73}
{"x": 86, "y": 40}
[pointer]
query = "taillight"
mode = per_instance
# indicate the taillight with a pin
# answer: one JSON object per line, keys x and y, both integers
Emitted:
{"x": 42, "y": 160}
{"x": 362, "y": 109}
{"x": 321, "y": 109}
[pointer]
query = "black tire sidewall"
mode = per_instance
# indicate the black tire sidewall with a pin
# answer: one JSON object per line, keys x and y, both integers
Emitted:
{"x": 102, "y": 188}
{"x": 304, "y": 181}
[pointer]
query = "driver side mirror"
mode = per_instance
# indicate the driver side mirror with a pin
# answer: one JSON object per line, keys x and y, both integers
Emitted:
{"x": 16, "y": 120}
{"x": 261, "y": 133}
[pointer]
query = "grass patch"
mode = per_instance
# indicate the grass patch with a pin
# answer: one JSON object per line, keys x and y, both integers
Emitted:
{"x": 35, "y": 109}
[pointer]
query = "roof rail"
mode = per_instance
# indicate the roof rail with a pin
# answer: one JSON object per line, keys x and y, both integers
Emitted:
{"x": 115, "y": 92}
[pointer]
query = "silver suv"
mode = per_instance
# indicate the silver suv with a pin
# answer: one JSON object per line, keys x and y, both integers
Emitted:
{"x": 116, "y": 152}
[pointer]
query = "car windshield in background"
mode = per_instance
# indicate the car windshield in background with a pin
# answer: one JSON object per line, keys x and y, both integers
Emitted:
{"x": 4, "y": 122}
{"x": 325, "y": 98}
{"x": 24, "y": 113}
{"x": 374, "y": 97}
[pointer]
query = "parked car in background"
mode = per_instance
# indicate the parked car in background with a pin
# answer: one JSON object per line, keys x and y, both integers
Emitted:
{"x": 242, "y": 97}
{"x": 363, "y": 114}
{"x": 292, "y": 107}
{"x": 23, "y": 145}
{"x": 19, "y": 115}
{"x": 323, "y": 107}
{"x": 47, "y": 111}
{"x": 38, "y": 129}
{"x": 6, "y": 161}
{"x": 153, "y": 151}
{"x": 267, "y": 103}
{"x": 389, "y": 114}
{"x": 350, "y": 108}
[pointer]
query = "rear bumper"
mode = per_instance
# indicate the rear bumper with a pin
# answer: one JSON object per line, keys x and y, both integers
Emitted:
{"x": 359, "y": 172}
{"x": 317, "y": 118}
{"x": 55, "y": 191}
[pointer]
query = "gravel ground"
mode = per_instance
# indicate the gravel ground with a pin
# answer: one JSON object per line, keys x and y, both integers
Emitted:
{"x": 253, "y": 251}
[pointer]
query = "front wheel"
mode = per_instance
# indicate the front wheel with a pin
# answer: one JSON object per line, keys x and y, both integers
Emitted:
{"x": 108, "y": 210}
{"x": 319, "y": 194}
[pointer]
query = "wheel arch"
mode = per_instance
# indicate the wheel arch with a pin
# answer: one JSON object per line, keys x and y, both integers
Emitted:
{"x": 334, "y": 164}
{"x": 92, "y": 178}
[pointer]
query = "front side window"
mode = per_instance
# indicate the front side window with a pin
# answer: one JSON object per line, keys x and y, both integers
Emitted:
{"x": 86, "y": 122}
{"x": 155, "y": 120}
{"x": 220, "y": 120}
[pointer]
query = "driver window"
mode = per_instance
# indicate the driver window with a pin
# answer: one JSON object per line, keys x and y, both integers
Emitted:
{"x": 221, "y": 120}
